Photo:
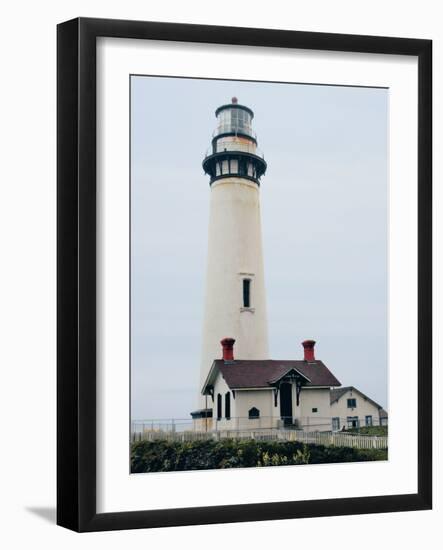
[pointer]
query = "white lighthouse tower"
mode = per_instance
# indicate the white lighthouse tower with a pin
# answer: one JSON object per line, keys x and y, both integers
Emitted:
{"x": 235, "y": 303}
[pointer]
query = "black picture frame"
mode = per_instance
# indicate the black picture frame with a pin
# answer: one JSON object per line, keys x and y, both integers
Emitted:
{"x": 76, "y": 280}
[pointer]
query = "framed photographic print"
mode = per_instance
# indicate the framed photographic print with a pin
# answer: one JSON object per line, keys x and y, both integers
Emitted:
{"x": 244, "y": 274}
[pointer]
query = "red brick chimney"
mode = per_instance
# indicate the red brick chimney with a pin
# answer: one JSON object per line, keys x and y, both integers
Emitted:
{"x": 308, "y": 346}
{"x": 228, "y": 348}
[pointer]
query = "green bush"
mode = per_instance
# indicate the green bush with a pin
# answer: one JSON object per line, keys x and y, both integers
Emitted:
{"x": 164, "y": 456}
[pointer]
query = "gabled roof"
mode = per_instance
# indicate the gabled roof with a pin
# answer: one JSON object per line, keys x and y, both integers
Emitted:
{"x": 266, "y": 373}
{"x": 338, "y": 393}
{"x": 289, "y": 371}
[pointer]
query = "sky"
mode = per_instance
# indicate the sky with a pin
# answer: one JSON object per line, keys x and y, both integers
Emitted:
{"x": 324, "y": 206}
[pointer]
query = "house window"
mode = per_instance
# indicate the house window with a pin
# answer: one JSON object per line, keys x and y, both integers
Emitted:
{"x": 353, "y": 422}
{"x": 219, "y": 406}
{"x": 352, "y": 403}
{"x": 335, "y": 423}
{"x": 368, "y": 420}
{"x": 246, "y": 292}
{"x": 254, "y": 413}
{"x": 228, "y": 405}
{"x": 314, "y": 410}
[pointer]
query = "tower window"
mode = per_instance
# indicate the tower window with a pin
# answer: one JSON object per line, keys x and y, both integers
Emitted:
{"x": 253, "y": 413}
{"x": 246, "y": 292}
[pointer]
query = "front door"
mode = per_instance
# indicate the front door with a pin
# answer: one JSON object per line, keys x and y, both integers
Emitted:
{"x": 286, "y": 403}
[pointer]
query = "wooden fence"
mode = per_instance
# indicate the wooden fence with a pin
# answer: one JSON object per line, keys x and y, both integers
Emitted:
{"x": 335, "y": 439}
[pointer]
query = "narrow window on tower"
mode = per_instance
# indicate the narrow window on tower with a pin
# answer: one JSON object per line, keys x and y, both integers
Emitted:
{"x": 246, "y": 292}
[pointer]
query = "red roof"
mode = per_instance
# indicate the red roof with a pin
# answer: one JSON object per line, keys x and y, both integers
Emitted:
{"x": 265, "y": 373}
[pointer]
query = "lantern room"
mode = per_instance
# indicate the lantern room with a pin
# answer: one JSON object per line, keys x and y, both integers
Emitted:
{"x": 234, "y": 151}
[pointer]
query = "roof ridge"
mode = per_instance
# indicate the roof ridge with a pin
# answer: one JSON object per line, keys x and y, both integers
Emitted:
{"x": 343, "y": 389}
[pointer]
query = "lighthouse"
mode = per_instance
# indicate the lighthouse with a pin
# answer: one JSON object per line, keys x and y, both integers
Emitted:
{"x": 235, "y": 299}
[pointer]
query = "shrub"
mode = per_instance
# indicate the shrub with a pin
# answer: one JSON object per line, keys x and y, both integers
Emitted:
{"x": 370, "y": 430}
{"x": 164, "y": 456}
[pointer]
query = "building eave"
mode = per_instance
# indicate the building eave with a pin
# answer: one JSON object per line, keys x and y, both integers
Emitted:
{"x": 213, "y": 371}
{"x": 252, "y": 388}
{"x": 312, "y": 387}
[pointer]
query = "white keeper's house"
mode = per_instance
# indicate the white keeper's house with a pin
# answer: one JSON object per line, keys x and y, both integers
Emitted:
{"x": 268, "y": 393}
{"x": 351, "y": 408}
{"x": 245, "y": 388}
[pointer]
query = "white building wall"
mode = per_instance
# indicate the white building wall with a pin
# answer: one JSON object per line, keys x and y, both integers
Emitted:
{"x": 263, "y": 400}
{"x": 220, "y": 387}
{"x": 363, "y": 408}
{"x": 314, "y": 398}
{"x": 244, "y": 400}
{"x": 234, "y": 253}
